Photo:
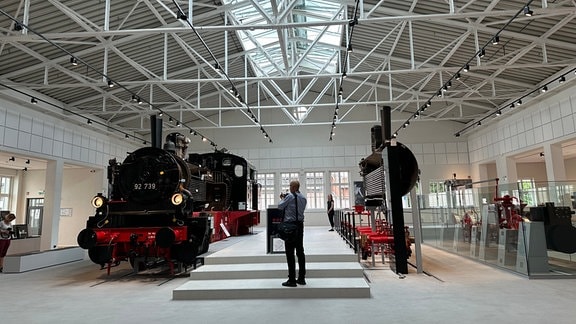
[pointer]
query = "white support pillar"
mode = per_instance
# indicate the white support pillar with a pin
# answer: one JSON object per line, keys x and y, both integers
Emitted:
{"x": 52, "y": 197}
{"x": 506, "y": 169}
{"x": 555, "y": 169}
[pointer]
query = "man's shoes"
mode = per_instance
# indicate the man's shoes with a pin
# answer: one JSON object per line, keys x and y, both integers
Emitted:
{"x": 301, "y": 282}
{"x": 331, "y": 230}
{"x": 289, "y": 283}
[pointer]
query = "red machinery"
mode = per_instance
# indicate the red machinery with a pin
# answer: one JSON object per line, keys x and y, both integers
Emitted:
{"x": 509, "y": 215}
{"x": 381, "y": 240}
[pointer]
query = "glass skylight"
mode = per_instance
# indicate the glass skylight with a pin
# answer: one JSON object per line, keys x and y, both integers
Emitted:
{"x": 277, "y": 50}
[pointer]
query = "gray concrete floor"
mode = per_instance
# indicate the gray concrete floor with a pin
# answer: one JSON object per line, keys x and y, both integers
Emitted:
{"x": 453, "y": 290}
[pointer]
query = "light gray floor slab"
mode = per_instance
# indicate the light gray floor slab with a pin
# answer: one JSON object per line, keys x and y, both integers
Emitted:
{"x": 455, "y": 290}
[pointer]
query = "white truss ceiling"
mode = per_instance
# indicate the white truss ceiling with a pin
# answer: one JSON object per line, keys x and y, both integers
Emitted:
{"x": 404, "y": 52}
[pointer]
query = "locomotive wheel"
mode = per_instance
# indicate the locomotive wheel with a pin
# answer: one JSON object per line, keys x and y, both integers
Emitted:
{"x": 100, "y": 254}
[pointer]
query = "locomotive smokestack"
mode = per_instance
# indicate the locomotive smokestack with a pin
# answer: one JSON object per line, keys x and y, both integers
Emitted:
{"x": 156, "y": 131}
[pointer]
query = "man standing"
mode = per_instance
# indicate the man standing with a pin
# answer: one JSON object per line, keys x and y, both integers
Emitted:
{"x": 5, "y": 235}
{"x": 293, "y": 205}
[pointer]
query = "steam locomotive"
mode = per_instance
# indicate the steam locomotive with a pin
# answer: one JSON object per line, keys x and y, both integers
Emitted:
{"x": 165, "y": 207}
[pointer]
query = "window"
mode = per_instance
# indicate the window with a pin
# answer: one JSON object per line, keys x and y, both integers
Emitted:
{"x": 437, "y": 194}
{"x": 340, "y": 189}
{"x": 286, "y": 178}
{"x": 5, "y": 190}
{"x": 315, "y": 190}
{"x": 266, "y": 196}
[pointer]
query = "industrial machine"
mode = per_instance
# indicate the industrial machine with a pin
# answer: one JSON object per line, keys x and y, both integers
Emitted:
{"x": 165, "y": 207}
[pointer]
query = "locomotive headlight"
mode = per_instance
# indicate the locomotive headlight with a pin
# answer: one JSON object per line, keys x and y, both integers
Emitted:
{"x": 98, "y": 201}
{"x": 177, "y": 199}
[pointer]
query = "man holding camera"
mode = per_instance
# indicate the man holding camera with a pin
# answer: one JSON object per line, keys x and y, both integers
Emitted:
{"x": 5, "y": 235}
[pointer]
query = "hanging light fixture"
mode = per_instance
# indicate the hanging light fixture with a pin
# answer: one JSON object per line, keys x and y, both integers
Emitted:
{"x": 495, "y": 40}
{"x": 528, "y": 12}
{"x": 73, "y": 61}
{"x": 466, "y": 68}
{"x": 33, "y": 100}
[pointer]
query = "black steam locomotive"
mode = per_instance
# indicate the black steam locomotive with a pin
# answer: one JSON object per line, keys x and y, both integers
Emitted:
{"x": 166, "y": 208}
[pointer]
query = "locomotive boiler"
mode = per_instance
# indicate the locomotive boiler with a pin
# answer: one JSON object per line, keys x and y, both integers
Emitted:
{"x": 165, "y": 207}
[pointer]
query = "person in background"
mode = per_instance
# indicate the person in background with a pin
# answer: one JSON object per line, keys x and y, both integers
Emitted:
{"x": 293, "y": 205}
{"x": 5, "y": 235}
{"x": 330, "y": 211}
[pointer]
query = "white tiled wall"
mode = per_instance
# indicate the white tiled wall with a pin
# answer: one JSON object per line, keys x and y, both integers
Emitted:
{"x": 549, "y": 121}
{"x": 26, "y": 132}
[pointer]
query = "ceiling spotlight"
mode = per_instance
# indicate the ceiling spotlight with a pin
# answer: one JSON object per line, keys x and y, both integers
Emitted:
{"x": 439, "y": 93}
{"x": 395, "y": 135}
{"x": 73, "y": 61}
{"x": 541, "y": 154}
{"x": 353, "y": 22}
{"x": 170, "y": 120}
{"x": 88, "y": 121}
{"x": 344, "y": 75}
{"x": 144, "y": 142}
{"x": 11, "y": 159}
{"x": 33, "y": 100}
{"x": 27, "y": 161}
{"x": 458, "y": 76}
{"x": 519, "y": 102}
{"x": 428, "y": 104}
{"x": 482, "y": 53}
{"x": 25, "y": 169}
{"x": 449, "y": 84}
{"x": 269, "y": 140}
{"x": 349, "y": 49}
{"x": 134, "y": 98}
{"x": 110, "y": 84}
{"x": 160, "y": 114}
{"x": 126, "y": 135}
{"x": 204, "y": 139}
{"x": 457, "y": 134}
{"x": 340, "y": 91}
{"x": 178, "y": 124}
{"x": 479, "y": 123}
{"x": 512, "y": 106}
{"x": 18, "y": 26}
{"x": 217, "y": 67}
{"x": 544, "y": 89}
{"x": 562, "y": 79}
{"x": 498, "y": 113}
{"x": 466, "y": 68}
{"x": 495, "y": 40}
{"x": 528, "y": 12}
{"x": 181, "y": 15}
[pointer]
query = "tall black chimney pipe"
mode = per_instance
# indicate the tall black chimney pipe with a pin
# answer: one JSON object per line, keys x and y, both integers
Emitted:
{"x": 156, "y": 131}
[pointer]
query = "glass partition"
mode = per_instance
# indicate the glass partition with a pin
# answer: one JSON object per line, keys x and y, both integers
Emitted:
{"x": 525, "y": 227}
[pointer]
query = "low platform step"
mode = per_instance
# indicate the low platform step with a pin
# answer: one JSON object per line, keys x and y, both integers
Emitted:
{"x": 217, "y": 258}
{"x": 276, "y": 270}
{"x": 271, "y": 288}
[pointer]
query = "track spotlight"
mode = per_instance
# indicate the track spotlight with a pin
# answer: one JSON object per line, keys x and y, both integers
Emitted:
{"x": 449, "y": 84}
{"x": 88, "y": 121}
{"x": 495, "y": 40}
{"x": 395, "y": 135}
{"x": 544, "y": 89}
{"x": 110, "y": 84}
{"x": 134, "y": 98}
{"x": 25, "y": 169}
{"x": 458, "y": 76}
{"x": 512, "y": 106}
{"x": 519, "y": 102}
{"x": 33, "y": 100}
{"x": 541, "y": 154}
{"x": 181, "y": 15}
{"x": 340, "y": 91}
{"x": 126, "y": 136}
{"x": 498, "y": 113}
{"x": 73, "y": 61}
{"x": 457, "y": 134}
{"x": 18, "y": 27}
{"x": 466, "y": 68}
{"x": 479, "y": 123}
{"x": 12, "y": 159}
{"x": 353, "y": 22}
{"x": 170, "y": 120}
{"x": 428, "y": 104}
{"x": 204, "y": 139}
{"x": 482, "y": 53}
{"x": 178, "y": 124}
{"x": 439, "y": 93}
{"x": 144, "y": 142}
{"x": 217, "y": 67}
{"x": 349, "y": 49}
{"x": 344, "y": 75}
{"x": 160, "y": 114}
{"x": 27, "y": 161}
{"x": 528, "y": 12}
{"x": 562, "y": 79}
